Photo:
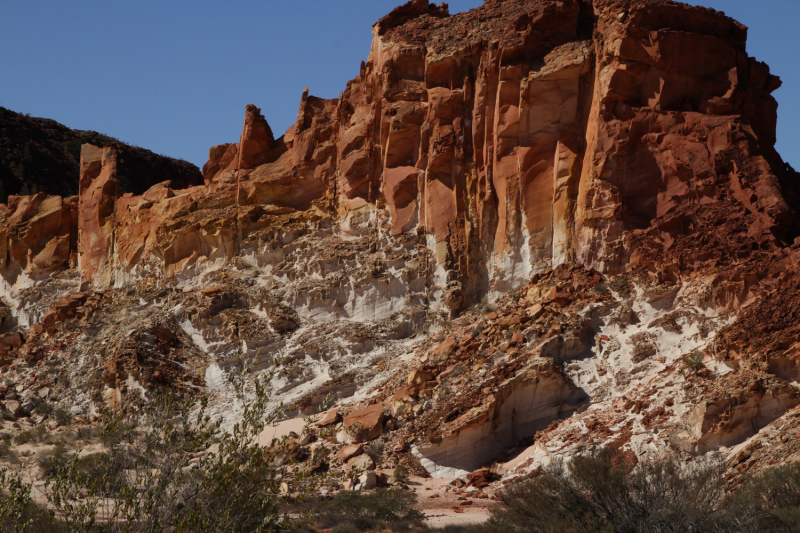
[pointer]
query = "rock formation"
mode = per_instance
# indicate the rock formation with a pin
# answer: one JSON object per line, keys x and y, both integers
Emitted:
{"x": 601, "y": 173}
{"x": 511, "y": 152}
{"x": 41, "y": 155}
{"x": 97, "y": 196}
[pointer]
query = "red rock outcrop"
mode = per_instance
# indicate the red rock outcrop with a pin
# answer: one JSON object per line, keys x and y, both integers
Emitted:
{"x": 511, "y": 139}
{"x": 257, "y": 139}
{"x": 252, "y": 150}
{"x": 220, "y": 158}
{"x": 98, "y": 193}
{"x": 603, "y": 170}
{"x": 519, "y": 143}
{"x": 38, "y": 235}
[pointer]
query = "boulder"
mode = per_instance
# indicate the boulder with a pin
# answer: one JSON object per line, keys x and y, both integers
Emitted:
{"x": 360, "y": 462}
{"x": 419, "y": 377}
{"x": 368, "y": 480}
{"x": 365, "y": 424}
{"x": 13, "y": 339}
{"x": 331, "y": 417}
{"x": 445, "y": 348}
{"x": 348, "y": 452}
{"x": 15, "y": 408}
{"x": 406, "y": 393}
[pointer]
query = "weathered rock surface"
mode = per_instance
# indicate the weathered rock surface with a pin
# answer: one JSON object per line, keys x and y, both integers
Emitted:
{"x": 507, "y": 152}
{"x": 98, "y": 193}
{"x": 365, "y": 424}
{"x": 601, "y": 172}
{"x": 38, "y": 235}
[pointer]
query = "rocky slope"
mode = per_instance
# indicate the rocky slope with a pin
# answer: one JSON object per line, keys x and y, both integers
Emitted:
{"x": 41, "y": 155}
{"x": 521, "y": 232}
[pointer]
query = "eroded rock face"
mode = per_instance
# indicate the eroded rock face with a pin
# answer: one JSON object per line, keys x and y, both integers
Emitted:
{"x": 509, "y": 140}
{"x": 97, "y": 196}
{"x": 38, "y": 235}
{"x": 523, "y": 405}
{"x": 602, "y": 172}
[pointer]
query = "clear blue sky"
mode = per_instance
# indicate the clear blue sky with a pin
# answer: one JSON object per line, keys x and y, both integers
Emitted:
{"x": 174, "y": 75}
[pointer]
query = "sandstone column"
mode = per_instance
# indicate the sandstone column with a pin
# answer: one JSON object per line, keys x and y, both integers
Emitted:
{"x": 98, "y": 191}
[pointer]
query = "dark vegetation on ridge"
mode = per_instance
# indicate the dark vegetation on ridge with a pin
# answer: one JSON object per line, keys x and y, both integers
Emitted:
{"x": 41, "y": 155}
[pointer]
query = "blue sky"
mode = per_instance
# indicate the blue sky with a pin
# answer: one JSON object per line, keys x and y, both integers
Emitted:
{"x": 174, "y": 75}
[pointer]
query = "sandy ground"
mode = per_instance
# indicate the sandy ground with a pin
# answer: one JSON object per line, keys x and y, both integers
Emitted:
{"x": 442, "y": 503}
{"x": 444, "y": 506}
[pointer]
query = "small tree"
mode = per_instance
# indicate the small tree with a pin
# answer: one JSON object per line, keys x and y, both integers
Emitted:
{"x": 15, "y": 500}
{"x": 181, "y": 472}
{"x": 694, "y": 361}
{"x": 400, "y": 473}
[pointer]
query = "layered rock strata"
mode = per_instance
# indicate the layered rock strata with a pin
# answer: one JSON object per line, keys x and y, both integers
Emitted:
{"x": 509, "y": 140}
{"x": 602, "y": 172}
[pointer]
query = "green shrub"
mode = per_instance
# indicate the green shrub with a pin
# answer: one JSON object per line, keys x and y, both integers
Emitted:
{"x": 36, "y": 434}
{"x": 400, "y": 473}
{"x": 375, "y": 450}
{"x": 375, "y": 510}
{"x": 49, "y": 461}
{"x": 769, "y": 501}
{"x": 62, "y": 416}
{"x": 603, "y": 493}
{"x": 147, "y": 478}
{"x": 694, "y": 361}
{"x": 41, "y": 406}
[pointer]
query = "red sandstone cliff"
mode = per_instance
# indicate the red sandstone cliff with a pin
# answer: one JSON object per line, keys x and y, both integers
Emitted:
{"x": 603, "y": 170}
{"x": 519, "y": 136}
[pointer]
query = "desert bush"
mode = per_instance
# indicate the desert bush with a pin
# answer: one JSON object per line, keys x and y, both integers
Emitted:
{"x": 483, "y": 306}
{"x": 154, "y": 477}
{"x": 694, "y": 361}
{"x": 400, "y": 473}
{"x": 15, "y": 498}
{"x": 41, "y": 406}
{"x": 62, "y": 416}
{"x": 375, "y": 450}
{"x": 18, "y": 512}
{"x": 50, "y": 460}
{"x": 6, "y": 452}
{"x": 36, "y": 434}
{"x": 604, "y": 493}
{"x": 377, "y": 510}
{"x": 767, "y": 502}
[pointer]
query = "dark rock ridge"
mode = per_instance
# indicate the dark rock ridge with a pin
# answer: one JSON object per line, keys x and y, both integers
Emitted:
{"x": 41, "y": 155}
